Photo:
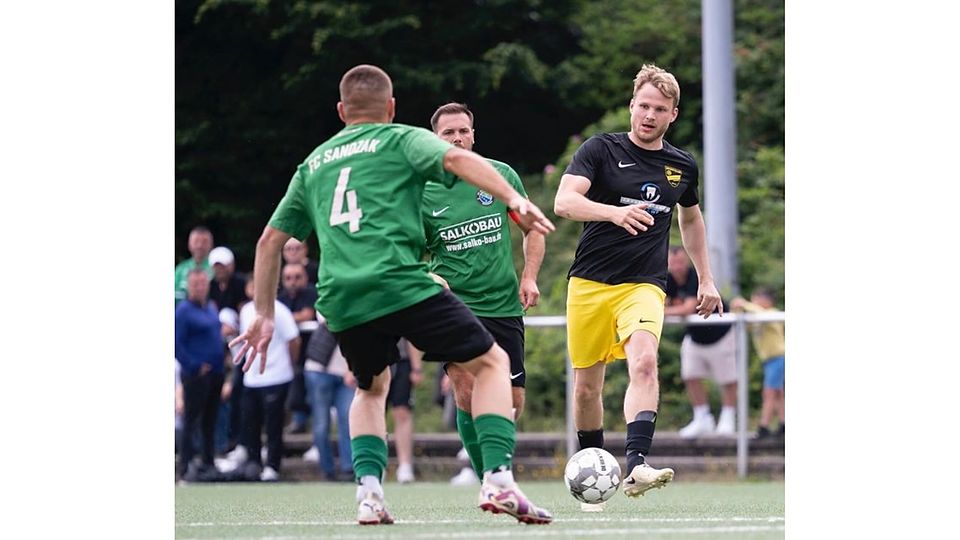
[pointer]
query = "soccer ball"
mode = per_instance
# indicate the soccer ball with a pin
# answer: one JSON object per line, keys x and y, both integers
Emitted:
{"x": 592, "y": 475}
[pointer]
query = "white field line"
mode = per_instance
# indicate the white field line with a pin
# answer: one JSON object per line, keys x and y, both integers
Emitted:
{"x": 528, "y": 532}
{"x": 769, "y": 519}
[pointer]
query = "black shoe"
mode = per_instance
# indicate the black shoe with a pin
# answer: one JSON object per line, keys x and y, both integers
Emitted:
{"x": 763, "y": 432}
{"x": 780, "y": 432}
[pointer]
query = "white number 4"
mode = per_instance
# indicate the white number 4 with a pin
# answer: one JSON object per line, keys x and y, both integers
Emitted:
{"x": 353, "y": 213}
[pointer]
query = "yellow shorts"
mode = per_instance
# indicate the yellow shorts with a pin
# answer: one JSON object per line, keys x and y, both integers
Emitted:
{"x": 601, "y": 317}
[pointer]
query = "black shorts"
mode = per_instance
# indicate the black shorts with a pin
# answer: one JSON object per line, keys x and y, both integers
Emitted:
{"x": 508, "y": 332}
{"x": 441, "y": 326}
{"x": 401, "y": 391}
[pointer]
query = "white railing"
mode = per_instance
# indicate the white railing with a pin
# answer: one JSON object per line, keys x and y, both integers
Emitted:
{"x": 739, "y": 321}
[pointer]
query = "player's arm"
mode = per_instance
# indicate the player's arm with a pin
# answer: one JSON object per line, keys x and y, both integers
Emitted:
{"x": 572, "y": 203}
{"x": 477, "y": 171}
{"x": 266, "y": 273}
{"x": 534, "y": 246}
{"x": 693, "y": 233}
{"x": 416, "y": 364}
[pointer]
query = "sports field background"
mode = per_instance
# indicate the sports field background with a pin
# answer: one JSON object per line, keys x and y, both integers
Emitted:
{"x": 748, "y": 510}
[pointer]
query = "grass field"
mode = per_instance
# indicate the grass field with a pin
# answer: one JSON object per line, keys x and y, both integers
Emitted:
{"x": 750, "y": 510}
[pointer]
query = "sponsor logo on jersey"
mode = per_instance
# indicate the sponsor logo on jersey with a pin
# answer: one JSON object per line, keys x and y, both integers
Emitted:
{"x": 652, "y": 208}
{"x": 474, "y": 227}
{"x": 673, "y": 175}
{"x": 623, "y": 165}
{"x": 440, "y": 211}
{"x": 484, "y": 198}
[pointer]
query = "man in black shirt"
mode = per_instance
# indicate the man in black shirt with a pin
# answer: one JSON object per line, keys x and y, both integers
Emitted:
{"x": 624, "y": 187}
{"x": 708, "y": 350}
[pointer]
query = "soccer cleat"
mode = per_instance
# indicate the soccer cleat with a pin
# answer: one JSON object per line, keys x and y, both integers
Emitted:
{"x": 373, "y": 511}
{"x": 698, "y": 427}
{"x": 511, "y": 500}
{"x": 643, "y": 478}
{"x": 587, "y": 507}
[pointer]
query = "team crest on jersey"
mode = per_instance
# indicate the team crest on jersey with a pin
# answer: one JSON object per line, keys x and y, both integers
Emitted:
{"x": 484, "y": 198}
{"x": 673, "y": 175}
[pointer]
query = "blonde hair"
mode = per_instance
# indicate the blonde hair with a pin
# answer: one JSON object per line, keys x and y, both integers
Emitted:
{"x": 664, "y": 81}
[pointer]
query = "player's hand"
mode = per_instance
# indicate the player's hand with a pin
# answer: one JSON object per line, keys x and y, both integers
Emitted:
{"x": 440, "y": 280}
{"x": 634, "y": 218}
{"x": 708, "y": 299}
{"x": 531, "y": 218}
{"x": 254, "y": 341}
{"x": 349, "y": 380}
{"x": 416, "y": 377}
{"x": 529, "y": 293}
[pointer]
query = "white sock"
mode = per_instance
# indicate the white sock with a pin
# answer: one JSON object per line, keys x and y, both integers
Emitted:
{"x": 728, "y": 411}
{"x": 369, "y": 484}
{"x": 500, "y": 478}
{"x": 700, "y": 411}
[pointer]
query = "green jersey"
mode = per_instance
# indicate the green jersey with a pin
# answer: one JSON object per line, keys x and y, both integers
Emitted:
{"x": 469, "y": 237}
{"x": 361, "y": 192}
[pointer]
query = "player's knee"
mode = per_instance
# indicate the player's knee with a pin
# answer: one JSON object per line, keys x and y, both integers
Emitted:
{"x": 587, "y": 393}
{"x": 644, "y": 366}
{"x": 462, "y": 388}
{"x": 495, "y": 359}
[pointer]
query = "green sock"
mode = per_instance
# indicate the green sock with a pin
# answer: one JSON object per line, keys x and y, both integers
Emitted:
{"x": 468, "y": 434}
{"x": 497, "y": 436}
{"x": 369, "y": 456}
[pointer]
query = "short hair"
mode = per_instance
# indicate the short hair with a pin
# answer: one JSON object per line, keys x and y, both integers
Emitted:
{"x": 449, "y": 108}
{"x": 364, "y": 90}
{"x": 197, "y": 270}
{"x": 200, "y": 229}
{"x": 664, "y": 81}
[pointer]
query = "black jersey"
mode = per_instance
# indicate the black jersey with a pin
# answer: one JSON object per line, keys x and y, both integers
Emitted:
{"x": 621, "y": 173}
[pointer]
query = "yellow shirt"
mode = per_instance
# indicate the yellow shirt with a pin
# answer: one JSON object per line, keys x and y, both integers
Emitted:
{"x": 767, "y": 337}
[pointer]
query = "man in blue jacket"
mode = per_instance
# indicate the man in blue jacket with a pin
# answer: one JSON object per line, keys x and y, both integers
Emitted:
{"x": 199, "y": 349}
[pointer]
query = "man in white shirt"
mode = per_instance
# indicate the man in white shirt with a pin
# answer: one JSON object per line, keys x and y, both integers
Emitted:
{"x": 265, "y": 392}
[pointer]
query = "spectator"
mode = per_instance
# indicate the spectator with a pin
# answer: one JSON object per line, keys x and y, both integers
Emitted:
{"x": 226, "y": 287}
{"x": 199, "y": 243}
{"x": 266, "y": 391}
{"x": 227, "y": 290}
{"x": 768, "y": 340}
{"x": 300, "y": 298}
{"x": 404, "y": 375}
{"x": 707, "y": 350}
{"x": 329, "y": 385}
{"x": 199, "y": 349}
{"x": 295, "y": 251}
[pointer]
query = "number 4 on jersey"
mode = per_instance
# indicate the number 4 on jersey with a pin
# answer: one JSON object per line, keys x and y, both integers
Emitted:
{"x": 353, "y": 213}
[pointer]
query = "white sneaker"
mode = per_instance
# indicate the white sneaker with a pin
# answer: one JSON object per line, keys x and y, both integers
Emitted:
{"x": 405, "y": 473}
{"x": 312, "y": 455}
{"x": 705, "y": 425}
{"x": 232, "y": 460}
{"x": 587, "y": 507}
{"x": 269, "y": 475}
{"x": 466, "y": 477}
{"x": 727, "y": 425}
{"x": 643, "y": 478}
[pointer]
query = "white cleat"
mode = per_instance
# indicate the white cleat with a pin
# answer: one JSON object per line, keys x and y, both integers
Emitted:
{"x": 373, "y": 511}
{"x": 643, "y": 478}
{"x": 405, "y": 473}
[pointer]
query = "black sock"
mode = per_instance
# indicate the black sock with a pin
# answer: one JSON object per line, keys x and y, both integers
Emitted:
{"x": 640, "y": 438}
{"x": 590, "y": 439}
